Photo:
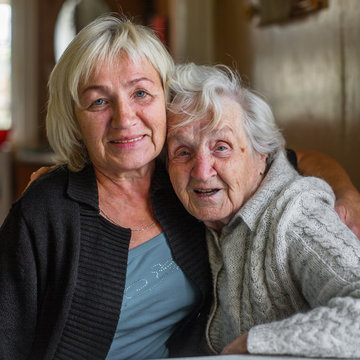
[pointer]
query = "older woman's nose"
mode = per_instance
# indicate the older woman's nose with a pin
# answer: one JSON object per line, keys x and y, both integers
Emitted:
{"x": 203, "y": 168}
{"x": 123, "y": 116}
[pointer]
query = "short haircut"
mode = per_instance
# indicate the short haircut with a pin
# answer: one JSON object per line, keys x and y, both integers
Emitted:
{"x": 197, "y": 91}
{"x": 105, "y": 39}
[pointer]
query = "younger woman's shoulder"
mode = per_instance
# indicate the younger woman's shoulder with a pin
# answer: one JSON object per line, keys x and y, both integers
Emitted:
{"x": 47, "y": 184}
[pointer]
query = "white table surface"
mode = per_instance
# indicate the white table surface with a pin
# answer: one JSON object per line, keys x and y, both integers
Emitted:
{"x": 254, "y": 357}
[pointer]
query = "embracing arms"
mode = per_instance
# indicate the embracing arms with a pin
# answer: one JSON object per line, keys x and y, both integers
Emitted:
{"x": 313, "y": 264}
{"x": 312, "y": 163}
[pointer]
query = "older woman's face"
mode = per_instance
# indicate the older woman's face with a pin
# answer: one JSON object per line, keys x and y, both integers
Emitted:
{"x": 213, "y": 173}
{"x": 122, "y": 116}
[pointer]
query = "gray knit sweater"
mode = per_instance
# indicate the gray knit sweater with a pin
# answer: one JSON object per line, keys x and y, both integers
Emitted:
{"x": 287, "y": 271}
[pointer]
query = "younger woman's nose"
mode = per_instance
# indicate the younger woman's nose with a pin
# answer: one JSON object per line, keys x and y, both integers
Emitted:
{"x": 123, "y": 116}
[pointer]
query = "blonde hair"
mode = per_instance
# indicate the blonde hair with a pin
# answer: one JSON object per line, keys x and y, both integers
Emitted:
{"x": 102, "y": 40}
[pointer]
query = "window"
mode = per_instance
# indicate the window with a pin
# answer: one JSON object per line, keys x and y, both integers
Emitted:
{"x": 5, "y": 64}
{"x": 73, "y": 16}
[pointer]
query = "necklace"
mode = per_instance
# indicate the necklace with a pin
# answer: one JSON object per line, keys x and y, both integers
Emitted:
{"x": 102, "y": 212}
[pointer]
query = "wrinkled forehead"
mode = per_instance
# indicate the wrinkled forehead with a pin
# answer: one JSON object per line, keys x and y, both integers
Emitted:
{"x": 198, "y": 131}
{"x": 229, "y": 118}
{"x": 109, "y": 62}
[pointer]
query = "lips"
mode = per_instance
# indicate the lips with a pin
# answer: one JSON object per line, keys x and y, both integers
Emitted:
{"x": 206, "y": 192}
{"x": 127, "y": 141}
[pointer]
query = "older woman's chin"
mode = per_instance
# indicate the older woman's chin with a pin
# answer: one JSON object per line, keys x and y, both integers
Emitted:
{"x": 211, "y": 217}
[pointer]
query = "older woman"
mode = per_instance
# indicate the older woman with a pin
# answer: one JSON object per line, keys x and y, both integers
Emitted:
{"x": 286, "y": 270}
{"x": 93, "y": 253}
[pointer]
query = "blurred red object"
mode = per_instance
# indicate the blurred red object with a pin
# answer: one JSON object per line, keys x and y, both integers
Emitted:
{"x": 3, "y": 135}
{"x": 159, "y": 24}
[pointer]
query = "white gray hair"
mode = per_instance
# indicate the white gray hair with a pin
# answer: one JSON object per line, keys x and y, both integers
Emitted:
{"x": 105, "y": 39}
{"x": 197, "y": 91}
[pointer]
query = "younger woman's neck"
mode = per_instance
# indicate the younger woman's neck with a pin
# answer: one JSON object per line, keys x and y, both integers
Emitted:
{"x": 134, "y": 183}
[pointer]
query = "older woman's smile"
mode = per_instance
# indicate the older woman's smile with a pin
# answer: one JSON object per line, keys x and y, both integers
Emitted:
{"x": 203, "y": 193}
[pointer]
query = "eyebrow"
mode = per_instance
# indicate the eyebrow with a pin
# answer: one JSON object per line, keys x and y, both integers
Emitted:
{"x": 178, "y": 137}
{"x": 128, "y": 84}
{"x": 226, "y": 129}
{"x": 215, "y": 132}
{"x": 143, "y": 78}
{"x": 92, "y": 87}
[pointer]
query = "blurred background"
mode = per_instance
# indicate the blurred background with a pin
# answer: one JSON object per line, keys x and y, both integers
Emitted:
{"x": 302, "y": 55}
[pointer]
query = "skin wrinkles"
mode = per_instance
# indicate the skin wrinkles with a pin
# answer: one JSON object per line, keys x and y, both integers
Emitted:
{"x": 90, "y": 91}
{"x": 213, "y": 172}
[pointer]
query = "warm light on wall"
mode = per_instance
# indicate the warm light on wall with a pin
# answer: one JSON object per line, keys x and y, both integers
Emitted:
{"x": 269, "y": 12}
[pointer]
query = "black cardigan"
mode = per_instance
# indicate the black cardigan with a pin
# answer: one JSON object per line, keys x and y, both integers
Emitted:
{"x": 63, "y": 269}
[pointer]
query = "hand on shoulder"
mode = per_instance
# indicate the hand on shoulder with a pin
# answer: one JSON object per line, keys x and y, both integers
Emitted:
{"x": 42, "y": 171}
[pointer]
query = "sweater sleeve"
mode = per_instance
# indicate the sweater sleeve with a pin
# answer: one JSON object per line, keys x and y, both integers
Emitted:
{"x": 18, "y": 288}
{"x": 318, "y": 259}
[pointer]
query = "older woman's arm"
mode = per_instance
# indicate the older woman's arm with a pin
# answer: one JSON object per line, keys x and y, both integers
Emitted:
{"x": 312, "y": 163}
{"x": 318, "y": 260}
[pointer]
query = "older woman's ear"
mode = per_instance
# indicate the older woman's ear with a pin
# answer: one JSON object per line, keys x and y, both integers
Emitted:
{"x": 264, "y": 158}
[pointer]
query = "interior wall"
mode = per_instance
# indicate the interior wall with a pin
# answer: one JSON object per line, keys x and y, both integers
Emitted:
{"x": 192, "y": 29}
{"x": 24, "y": 64}
{"x": 308, "y": 70}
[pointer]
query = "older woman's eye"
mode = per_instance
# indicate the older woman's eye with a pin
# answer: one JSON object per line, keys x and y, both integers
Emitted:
{"x": 182, "y": 153}
{"x": 221, "y": 148}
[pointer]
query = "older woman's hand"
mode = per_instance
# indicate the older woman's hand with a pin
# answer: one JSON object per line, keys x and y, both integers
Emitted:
{"x": 39, "y": 172}
{"x": 238, "y": 346}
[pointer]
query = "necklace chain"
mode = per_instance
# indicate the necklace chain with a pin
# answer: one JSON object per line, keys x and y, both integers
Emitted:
{"x": 102, "y": 212}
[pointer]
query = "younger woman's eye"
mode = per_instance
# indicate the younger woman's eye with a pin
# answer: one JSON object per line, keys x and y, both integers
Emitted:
{"x": 140, "y": 93}
{"x": 99, "y": 102}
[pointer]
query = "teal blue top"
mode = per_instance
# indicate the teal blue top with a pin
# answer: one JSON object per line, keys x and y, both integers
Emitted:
{"x": 157, "y": 296}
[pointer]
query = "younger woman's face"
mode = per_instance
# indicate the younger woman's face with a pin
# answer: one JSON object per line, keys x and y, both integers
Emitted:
{"x": 122, "y": 115}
